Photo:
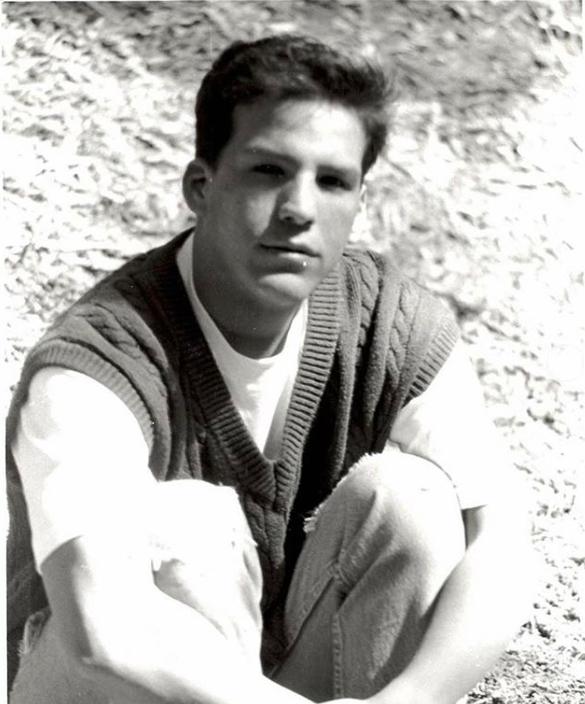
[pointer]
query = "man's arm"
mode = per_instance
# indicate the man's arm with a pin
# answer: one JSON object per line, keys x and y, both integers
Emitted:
{"x": 486, "y": 598}
{"x": 136, "y": 644}
{"x": 87, "y": 487}
{"x": 479, "y": 610}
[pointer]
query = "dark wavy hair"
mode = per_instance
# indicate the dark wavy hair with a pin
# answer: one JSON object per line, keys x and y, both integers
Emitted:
{"x": 285, "y": 67}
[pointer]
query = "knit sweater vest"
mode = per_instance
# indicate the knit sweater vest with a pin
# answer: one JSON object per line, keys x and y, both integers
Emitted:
{"x": 374, "y": 341}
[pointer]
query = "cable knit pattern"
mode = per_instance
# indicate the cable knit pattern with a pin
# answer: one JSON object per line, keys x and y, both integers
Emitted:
{"x": 374, "y": 340}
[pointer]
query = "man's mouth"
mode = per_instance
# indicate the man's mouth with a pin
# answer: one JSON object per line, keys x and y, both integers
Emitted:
{"x": 291, "y": 248}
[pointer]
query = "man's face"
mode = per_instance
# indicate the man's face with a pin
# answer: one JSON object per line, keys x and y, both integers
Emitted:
{"x": 277, "y": 210}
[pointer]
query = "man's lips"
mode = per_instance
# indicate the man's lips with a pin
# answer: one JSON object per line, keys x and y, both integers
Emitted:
{"x": 290, "y": 248}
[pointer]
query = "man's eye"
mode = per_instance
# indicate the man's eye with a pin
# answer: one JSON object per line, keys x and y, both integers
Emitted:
{"x": 333, "y": 182}
{"x": 268, "y": 170}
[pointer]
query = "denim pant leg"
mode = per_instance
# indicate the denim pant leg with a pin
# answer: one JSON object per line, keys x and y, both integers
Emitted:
{"x": 45, "y": 675}
{"x": 376, "y": 556}
{"x": 203, "y": 555}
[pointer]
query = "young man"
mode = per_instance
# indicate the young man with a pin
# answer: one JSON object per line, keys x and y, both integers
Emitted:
{"x": 341, "y": 524}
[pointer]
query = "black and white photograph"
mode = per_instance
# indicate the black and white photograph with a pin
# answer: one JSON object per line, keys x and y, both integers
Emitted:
{"x": 294, "y": 371}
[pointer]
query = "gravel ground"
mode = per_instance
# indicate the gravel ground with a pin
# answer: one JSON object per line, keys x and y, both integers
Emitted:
{"x": 478, "y": 197}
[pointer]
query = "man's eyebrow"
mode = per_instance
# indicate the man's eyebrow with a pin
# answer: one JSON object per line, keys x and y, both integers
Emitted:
{"x": 261, "y": 152}
{"x": 266, "y": 153}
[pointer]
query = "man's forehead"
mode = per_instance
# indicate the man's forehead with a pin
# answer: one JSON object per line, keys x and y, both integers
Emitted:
{"x": 294, "y": 111}
{"x": 270, "y": 127}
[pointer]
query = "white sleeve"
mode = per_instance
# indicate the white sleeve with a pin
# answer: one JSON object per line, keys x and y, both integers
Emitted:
{"x": 82, "y": 458}
{"x": 448, "y": 424}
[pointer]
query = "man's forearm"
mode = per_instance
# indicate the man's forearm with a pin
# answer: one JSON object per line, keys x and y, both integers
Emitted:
{"x": 176, "y": 655}
{"x": 118, "y": 631}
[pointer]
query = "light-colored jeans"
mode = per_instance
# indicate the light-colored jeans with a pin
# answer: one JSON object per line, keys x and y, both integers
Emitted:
{"x": 376, "y": 556}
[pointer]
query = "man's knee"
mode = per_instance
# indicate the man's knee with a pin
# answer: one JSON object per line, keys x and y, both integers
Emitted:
{"x": 197, "y": 521}
{"x": 377, "y": 553}
{"x": 204, "y": 556}
{"x": 200, "y": 531}
{"x": 401, "y": 498}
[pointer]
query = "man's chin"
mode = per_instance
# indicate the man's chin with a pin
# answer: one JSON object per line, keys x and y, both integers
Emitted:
{"x": 285, "y": 290}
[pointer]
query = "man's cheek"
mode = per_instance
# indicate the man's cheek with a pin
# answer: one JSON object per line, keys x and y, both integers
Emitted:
{"x": 257, "y": 212}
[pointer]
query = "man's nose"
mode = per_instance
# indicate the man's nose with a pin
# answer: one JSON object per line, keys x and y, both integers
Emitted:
{"x": 297, "y": 206}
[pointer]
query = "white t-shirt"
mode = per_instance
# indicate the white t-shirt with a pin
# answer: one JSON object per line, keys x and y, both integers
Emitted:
{"x": 79, "y": 448}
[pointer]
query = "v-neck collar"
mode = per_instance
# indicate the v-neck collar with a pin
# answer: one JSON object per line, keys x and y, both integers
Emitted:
{"x": 271, "y": 481}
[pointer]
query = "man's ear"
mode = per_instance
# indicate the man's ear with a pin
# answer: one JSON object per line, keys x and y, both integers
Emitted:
{"x": 196, "y": 178}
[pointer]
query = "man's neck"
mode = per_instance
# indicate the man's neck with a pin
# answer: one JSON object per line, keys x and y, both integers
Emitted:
{"x": 255, "y": 347}
{"x": 252, "y": 332}
{"x": 254, "y": 327}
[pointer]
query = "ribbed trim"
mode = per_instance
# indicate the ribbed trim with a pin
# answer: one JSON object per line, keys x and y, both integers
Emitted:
{"x": 208, "y": 389}
{"x": 314, "y": 370}
{"x": 269, "y": 481}
{"x": 439, "y": 349}
{"x": 89, "y": 361}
